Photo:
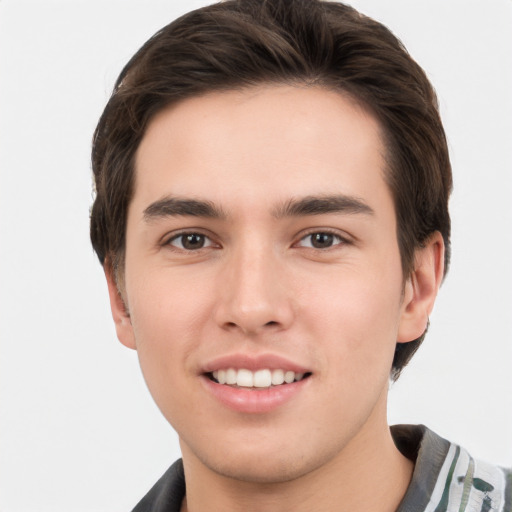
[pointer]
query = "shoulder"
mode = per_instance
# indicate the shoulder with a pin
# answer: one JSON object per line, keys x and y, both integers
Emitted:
{"x": 447, "y": 478}
{"x": 167, "y": 494}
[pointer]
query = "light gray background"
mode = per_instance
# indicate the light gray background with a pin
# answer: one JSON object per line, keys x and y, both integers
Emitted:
{"x": 79, "y": 431}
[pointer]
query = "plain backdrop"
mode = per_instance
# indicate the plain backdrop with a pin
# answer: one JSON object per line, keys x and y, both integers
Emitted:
{"x": 78, "y": 428}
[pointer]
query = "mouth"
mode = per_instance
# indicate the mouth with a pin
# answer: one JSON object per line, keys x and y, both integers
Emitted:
{"x": 264, "y": 378}
{"x": 256, "y": 383}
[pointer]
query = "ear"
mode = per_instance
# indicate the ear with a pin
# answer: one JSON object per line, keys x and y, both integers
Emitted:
{"x": 120, "y": 313}
{"x": 421, "y": 289}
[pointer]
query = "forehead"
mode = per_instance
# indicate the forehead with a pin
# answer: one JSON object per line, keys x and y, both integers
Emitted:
{"x": 260, "y": 145}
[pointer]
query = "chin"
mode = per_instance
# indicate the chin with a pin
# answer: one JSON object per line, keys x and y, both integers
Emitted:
{"x": 258, "y": 464}
{"x": 271, "y": 471}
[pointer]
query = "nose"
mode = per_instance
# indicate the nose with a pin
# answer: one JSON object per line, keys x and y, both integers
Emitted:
{"x": 255, "y": 295}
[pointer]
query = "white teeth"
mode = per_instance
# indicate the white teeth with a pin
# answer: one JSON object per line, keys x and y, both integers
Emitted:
{"x": 262, "y": 379}
{"x": 277, "y": 377}
{"x": 244, "y": 378}
{"x": 289, "y": 377}
{"x": 231, "y": 376}
{"x": 259, "y": 379}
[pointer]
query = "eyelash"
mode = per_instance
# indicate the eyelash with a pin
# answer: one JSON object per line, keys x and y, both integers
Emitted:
{"x": 337, "y": 240}
{"x": 182, "y": 236}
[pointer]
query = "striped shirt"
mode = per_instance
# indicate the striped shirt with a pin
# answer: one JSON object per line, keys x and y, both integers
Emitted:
{"x": 445, "y": 479}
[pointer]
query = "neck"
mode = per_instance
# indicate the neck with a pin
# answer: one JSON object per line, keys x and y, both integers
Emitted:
{"x": 369, "y": 473}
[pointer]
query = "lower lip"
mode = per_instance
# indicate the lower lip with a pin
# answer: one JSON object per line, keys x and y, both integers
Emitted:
{"x": 254, "y": 400}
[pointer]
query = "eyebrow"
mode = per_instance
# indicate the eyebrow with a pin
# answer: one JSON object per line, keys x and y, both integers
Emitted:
{"x": 319, "y": 205}
{"x": 173, "y": 206}
{"x": 306, "y": 206}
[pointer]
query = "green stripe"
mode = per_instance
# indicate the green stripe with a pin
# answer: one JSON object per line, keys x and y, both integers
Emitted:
{"x": 443, "y": 504}
{"x": 508, "y": 491}
{"x": 468, "y": 483}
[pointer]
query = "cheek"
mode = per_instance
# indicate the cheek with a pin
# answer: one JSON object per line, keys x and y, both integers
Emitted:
{"x": 166, "y": 305}
{"x": 168, "y": 319}
{"x": 356, "y": 318}
{"x": 355, "y": 301}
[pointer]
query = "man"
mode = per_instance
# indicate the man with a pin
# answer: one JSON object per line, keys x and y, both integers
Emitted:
{"x": 271, "y": 213}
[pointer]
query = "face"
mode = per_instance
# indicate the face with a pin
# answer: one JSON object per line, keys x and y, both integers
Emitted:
{"x": 263, "y": 278}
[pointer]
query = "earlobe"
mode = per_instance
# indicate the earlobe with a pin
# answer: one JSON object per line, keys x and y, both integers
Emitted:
{"x": 421, "y": 289}
{"x": 119, "y": 310}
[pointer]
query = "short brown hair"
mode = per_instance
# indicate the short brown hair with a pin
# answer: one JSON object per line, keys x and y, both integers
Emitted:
{"x": 242, "y": 43}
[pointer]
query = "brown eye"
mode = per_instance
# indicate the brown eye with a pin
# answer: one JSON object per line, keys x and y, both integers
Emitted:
{"x": 321, "y": 240}
{"x": 190, "y": 241}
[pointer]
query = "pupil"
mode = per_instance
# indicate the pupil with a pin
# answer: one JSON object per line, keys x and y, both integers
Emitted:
{"x": 321, "y": 240}
{"x": 193, "y": 241}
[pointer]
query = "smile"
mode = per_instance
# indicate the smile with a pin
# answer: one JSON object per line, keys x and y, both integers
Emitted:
{"x": 255, "y": 383}
{"x": 264, "y": 378}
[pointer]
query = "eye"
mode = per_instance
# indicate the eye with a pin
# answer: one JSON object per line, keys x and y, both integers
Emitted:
{"x": 190, "y": 241}
{"x": 320, "y": 240}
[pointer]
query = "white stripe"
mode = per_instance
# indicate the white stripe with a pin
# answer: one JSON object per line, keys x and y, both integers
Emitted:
{"x": 441, "y": 480}
{"x": 456, "y": 487}
{"x": 495, "y": 477}
{"x": 486, "y": 472}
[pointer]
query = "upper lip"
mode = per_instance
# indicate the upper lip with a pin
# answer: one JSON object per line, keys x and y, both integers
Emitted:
{"x": 253, "y": 362}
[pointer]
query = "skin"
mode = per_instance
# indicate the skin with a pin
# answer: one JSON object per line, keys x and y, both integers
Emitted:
{"x": 258, "y": 286}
